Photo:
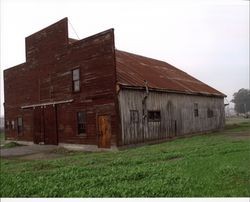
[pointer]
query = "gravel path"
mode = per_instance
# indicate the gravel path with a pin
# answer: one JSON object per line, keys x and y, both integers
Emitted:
{"x": 26, "y": 150}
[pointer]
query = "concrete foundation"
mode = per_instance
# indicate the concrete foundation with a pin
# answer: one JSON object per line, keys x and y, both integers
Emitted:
{"x": 73, "y": 147}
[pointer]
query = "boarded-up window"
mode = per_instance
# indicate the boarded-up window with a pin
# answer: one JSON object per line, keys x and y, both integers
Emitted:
{"x": 134, "y": 116}
{"x": 76, "y": 80}
{"x": 196, "y": 110}
{"x": 154, "y": 116}
{"x": 210, "y": 113}
{"x": 81, "y": 122}
{"x": 19, "y": 125}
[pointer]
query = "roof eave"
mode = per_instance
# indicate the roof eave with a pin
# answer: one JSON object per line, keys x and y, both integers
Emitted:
{"x": 125, "y": 86}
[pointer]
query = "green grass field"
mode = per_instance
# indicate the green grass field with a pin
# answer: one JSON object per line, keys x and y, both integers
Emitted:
{"x": 216, "y": 164}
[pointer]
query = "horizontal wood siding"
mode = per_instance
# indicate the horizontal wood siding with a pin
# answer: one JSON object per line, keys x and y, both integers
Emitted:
{"x": 177, "y": 115}
{"x": 46, "y": 76}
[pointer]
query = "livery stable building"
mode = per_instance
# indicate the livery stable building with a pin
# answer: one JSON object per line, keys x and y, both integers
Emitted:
{"x": 87, "y": 94}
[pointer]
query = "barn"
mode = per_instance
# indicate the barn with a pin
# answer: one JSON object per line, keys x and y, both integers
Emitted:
{"x": 87, "y": 94}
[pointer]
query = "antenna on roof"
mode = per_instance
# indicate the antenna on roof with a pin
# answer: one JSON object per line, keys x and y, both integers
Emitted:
{"x": 73, "y": 29}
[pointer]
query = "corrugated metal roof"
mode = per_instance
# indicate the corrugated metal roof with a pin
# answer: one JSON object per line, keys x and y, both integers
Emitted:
{"x": 133, "y": 70}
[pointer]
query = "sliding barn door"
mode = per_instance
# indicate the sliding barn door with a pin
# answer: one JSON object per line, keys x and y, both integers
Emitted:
{"x": 50, "y": 125}
{"x": 45, "y": 125}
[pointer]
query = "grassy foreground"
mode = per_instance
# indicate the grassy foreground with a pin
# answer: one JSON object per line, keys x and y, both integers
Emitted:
{"x": 216, "y": 164}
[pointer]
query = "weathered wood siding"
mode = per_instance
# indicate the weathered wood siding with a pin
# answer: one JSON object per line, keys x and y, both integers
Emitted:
{"x": 177, "y": 115}
{"x": 46, "y": 76}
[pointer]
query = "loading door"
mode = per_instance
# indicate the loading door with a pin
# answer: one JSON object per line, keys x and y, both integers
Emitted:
{"x": 38, "y": 121}
{"x": 45, "y": 125}
{"x": 104, "y": 131}
{"x": 50, "y": 125}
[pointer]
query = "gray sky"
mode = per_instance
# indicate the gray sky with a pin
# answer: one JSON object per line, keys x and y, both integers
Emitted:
{"x": 207, "y": 39}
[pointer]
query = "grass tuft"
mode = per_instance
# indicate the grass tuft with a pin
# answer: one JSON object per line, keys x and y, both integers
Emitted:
{"x": 11, "y": 145}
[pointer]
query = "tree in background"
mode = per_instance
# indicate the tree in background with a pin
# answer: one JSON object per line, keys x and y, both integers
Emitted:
{"x": 242, "y": 101}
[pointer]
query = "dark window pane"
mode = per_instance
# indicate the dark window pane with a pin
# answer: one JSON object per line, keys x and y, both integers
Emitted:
{"x": 81, "y": 129}
{"x": 196, "y": 110}
{"x": 154, "y": 116}
{"x": 81, "y": 122}
{"x": 157, "y": 115}
{"x": 150, "y": 116}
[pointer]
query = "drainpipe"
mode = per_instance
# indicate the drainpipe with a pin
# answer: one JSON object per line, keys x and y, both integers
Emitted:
{"x": 144, "y": 100}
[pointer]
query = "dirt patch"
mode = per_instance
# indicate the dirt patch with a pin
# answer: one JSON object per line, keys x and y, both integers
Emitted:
{"x": 36, "y": 152}
{"x": 41, "y": 156}
{"x": 63, "y": 151}
{"x": 52, "y": 154}
{"x": 174, "y": 158}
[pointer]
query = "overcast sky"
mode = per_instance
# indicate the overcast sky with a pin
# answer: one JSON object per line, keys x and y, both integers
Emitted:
{"x": 207, "y": 39}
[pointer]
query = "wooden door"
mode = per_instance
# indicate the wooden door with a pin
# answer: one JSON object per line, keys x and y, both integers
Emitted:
{"x": 38, "y": 125}
{"x": 50, "y": 125}
{"x": 104, "y": 133}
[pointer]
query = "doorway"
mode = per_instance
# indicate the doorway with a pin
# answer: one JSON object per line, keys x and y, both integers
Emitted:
{"x": 104, "y": 131}
{"x": 45, "y": 125}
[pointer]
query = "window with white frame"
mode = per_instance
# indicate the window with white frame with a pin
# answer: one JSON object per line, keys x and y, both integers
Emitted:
{"x": 76, "y": 80}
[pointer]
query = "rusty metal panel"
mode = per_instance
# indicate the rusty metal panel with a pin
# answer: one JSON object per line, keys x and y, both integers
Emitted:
{"x": 133, "y": 70}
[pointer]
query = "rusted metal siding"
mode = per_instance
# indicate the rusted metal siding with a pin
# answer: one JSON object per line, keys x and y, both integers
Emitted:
{"x": 177, "y": 115}
{"x": 47, "y": 77}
